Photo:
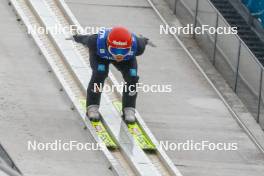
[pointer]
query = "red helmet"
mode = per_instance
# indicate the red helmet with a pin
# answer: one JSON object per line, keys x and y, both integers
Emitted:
{"x": 119, "y": 37}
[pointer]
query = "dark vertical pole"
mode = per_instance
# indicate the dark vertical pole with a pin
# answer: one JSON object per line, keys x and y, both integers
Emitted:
{"x": 195, "y": 16}
{"x": 260, "y": 94}
{"x": 175, "y": 7}
{"x": 237, "y": 68}
{"x": 215, "y": 39}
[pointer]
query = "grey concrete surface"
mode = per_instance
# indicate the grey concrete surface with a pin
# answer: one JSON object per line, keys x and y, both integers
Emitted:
{"x": 33, "y": 108}
{"x": 192, "y": 111}
{"x": 218, "y": 73}
{"x": 248, "y": 97}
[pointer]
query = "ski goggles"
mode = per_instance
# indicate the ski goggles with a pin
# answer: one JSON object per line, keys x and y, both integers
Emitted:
{"x": 119, "y": 51}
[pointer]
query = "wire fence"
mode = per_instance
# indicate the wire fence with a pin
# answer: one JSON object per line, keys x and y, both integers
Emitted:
{"x": 229, "y": 54}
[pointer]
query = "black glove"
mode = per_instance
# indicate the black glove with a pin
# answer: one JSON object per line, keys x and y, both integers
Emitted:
{"x": 146, "y": 40}
{"x": 76, "y": 38}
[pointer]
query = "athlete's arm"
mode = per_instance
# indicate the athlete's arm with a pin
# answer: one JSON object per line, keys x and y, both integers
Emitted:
{"x": 87, "y": 40}
{"x": 141, "y": 45}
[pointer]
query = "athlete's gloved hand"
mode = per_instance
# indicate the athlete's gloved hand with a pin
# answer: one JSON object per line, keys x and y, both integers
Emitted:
{"x": 150, "y": 43}
{"x": 147, "y": 41}
{"x": 77, "y": 38}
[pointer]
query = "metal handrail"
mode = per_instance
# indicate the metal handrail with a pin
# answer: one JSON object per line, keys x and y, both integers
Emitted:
{"x": 236, "y": 35}
{"x": 251, "y": 57}
{"x": 241, "y": 122}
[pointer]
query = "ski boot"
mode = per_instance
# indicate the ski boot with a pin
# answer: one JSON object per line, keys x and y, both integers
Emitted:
{"x": 93, "y": 113}
{"x": 129, "y": 115}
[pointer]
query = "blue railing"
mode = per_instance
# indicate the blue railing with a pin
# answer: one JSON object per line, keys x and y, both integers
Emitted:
{"x": 256, "y": 8}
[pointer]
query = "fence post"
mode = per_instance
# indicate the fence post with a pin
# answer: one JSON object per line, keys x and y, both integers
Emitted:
{"x": 237, "y": 68}
{"x": 260, "y": 94}
{"x": 175, "y": 6}
{"x": 195, "y": 16}
{"x": 215, "y": 39}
